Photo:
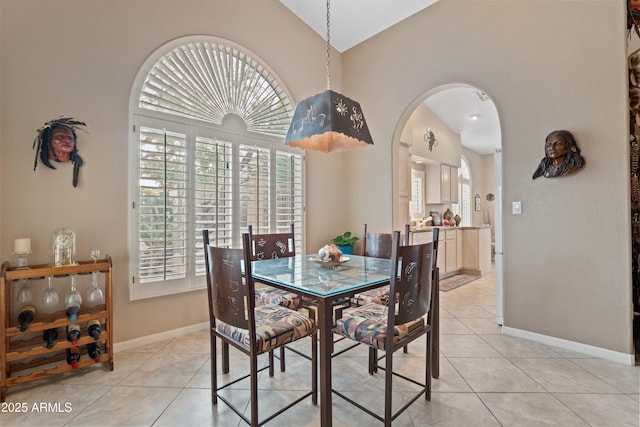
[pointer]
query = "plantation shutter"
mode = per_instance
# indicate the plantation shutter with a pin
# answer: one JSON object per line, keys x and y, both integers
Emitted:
{"x": 288, "y": 199}
{"x": 213, "y": 195}
{"x": 254, "y": 188}
{"x": 162, "y": 207}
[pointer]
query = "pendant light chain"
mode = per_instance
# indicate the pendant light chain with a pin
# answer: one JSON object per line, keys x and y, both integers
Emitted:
{"x": 328, "y": 46}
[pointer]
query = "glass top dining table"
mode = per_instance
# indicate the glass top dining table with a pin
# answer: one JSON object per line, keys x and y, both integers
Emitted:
{"x": 324, "y": 284}
{"x": 305, "y": 274}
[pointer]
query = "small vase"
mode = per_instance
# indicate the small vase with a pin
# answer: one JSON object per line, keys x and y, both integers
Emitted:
{"x": 346, "y": 250}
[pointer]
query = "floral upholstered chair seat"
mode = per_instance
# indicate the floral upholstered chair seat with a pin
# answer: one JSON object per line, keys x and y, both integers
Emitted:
{"x": 269, "y": 295}
{"x": 275, "y": 326}
{"x": 368, "y": 325}
{"x": 376, "y": 295}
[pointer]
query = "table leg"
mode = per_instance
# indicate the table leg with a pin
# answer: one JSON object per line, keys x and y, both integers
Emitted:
{"x": 325, "y": 326}
{"x": 435, "y": 348}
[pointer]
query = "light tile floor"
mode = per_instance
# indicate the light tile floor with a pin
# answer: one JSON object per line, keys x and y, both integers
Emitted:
{"x": 486, "y": 379}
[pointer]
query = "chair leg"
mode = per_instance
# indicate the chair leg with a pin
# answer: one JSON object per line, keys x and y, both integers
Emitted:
{"x": 405, "y": 349}
{"x": 225, "y": 357}
{"x": 427, "y": 381}
{"x": 254, "y": 390}
{"x": 270, "y": 363}
{"x": 373, "y": 360}
{"x": 388, "y": 384}
{"x": 314, "y": 368}
{"x": 214, "y": 371}
{"x": 281, "y": 359}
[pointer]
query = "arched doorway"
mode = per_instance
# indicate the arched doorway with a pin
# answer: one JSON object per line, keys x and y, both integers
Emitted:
{"x": 468, "y": 123}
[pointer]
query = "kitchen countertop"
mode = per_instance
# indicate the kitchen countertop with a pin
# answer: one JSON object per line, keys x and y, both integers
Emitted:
{"x": 447, "y": 227}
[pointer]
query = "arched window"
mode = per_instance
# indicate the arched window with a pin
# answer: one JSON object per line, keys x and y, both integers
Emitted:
{"x": 463, "y": 207}
{"x": 209, "y": 119}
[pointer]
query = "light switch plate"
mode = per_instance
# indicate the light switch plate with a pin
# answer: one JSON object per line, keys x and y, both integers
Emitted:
{"x": 516, "y": 208}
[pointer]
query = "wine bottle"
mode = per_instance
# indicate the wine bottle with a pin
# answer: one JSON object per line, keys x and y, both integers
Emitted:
{"x": 94, "y": 352}
{"x": 72, "y": 312}
{"x": 73, "y": 333}
{"x": 27, "y": 313}
{"x": 50, "y": 336}
{"x": 94, "y": 328}
{"x": 73, "y": 357}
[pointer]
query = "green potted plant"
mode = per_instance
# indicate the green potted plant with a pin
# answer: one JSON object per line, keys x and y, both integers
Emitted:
{"x": 345, "y": 242}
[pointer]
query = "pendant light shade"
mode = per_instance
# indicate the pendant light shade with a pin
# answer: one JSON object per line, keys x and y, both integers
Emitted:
{"x": 328, "y": 122}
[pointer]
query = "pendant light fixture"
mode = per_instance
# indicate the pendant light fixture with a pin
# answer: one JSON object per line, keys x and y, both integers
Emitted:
{"x": 328, "y": 121}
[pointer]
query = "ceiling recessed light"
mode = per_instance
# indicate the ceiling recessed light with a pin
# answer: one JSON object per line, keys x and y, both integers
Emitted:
{"x": 474, "y": 117}
{"x": 418, "y": 161}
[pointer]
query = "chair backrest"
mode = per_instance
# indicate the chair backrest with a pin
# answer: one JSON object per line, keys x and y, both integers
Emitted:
{"x": 379, "y": 245}
{"x": 228, "y": 287}
{"x": 272, "y": 245}
{"x": 412, "y": 287}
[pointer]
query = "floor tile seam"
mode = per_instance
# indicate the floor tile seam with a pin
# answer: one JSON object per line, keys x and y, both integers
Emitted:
{"x": 574, "y": 360}
{"x": 566, "y": 359}
{"x": 107, "y": 389}
{"x": 526, "y": 374}
{"x": 567, "y": 406}
{"x": 496, "y": 349}
{"x": 167, "y": 407}
{"x": 582, "y": 393}
{"x": 207, "y": 360}
{"x": 448, "y": 359}
{"x": 604, "y": 380}
{"x": 495, "y": 417}
{"x": 529, "y": 392}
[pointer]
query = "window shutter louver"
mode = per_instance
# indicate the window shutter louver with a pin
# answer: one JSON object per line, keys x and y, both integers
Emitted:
{"x": 162, "y": 207}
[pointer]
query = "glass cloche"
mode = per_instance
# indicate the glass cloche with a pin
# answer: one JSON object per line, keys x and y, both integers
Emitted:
{"x": 63, "y": 247}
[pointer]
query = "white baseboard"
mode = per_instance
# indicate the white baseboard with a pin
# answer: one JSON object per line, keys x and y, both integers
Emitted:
{"x": 150, "y": 339}
{"x": 602, "y": 353}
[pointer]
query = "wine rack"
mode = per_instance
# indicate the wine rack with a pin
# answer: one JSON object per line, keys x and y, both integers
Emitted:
{"x": 24, "y": 356}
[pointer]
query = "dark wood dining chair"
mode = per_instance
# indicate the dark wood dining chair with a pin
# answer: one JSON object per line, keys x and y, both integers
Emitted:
{"x": 271, "y": 246}
{"x": 253, "y": 330}
{"x": 412, "y": 292}
{"x": 377, "y": 245}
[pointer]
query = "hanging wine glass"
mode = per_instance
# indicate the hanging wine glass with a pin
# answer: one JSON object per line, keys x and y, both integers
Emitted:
{"x": 74, "y": 297}
{"x": 24, "y": 293}
{"x": 73, "y": 301}
{"x": 50, "y": 298}
{"x": 94, "y": 294}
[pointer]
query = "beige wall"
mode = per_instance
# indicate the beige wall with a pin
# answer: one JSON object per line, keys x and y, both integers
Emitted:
{"x": 79, "y": 58}
{"x": 448, "y": 149}
{"x": 567, "y": 258}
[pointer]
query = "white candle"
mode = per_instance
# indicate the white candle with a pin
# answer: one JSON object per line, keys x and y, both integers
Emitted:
{"x": 22, "y": 245}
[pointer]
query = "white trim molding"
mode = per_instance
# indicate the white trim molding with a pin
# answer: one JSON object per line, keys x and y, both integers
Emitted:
{"x": 160, "y": 336}
{"x": 602, "y": 353}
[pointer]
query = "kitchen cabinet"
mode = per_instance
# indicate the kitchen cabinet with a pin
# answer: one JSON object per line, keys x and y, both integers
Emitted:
{"x": 476, "y": 250}
{"x": 459, "y": 251}
{"x": 420, "y": 238}
{"x": 442, "y": 184}
{"x": 451, "y": 250}
{"x": 24, "y": 356}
